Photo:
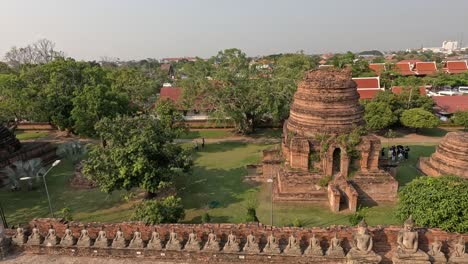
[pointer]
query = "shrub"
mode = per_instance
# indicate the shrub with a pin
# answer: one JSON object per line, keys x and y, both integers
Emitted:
{"x": 206, "y": 218}
{"x": 297, "y": 222}
{"x": 66, "y": 214}
{"x": 324, "y": 181}
{"x": 168, "y": 210}
{"x": 355, "y": 218}
{"x": 461, "y": 119}
{"x": 418, "y": 118}
{"x": 436, "y": 202}
{"x": 251, "y": 215}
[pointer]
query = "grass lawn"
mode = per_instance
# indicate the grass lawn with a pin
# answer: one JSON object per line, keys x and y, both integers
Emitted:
{"x": 86, "y": 205}
{"x": 216, "y": 186}
{"x": 30, "y": 135}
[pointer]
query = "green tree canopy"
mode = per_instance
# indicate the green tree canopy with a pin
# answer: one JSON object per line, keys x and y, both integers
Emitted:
{"x": 136, "y": 152}
{"x": 167, "y": 210}
{"x": 418, "y": 118}
{"x": 378, "y": 115}
{"x": 436, "y": 202}
{"x": 92, "y": 104}
{"x": 460, "y": 118}
{"x": 169, "y": 116}
{"x": 139, "y": 84}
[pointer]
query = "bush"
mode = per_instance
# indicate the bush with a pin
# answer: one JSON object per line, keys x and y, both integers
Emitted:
{"x": 297, "y": 223}
{"x": 418, "y": 118}
{"x": 378, "y": 115}
{"x": 206, "y": 218}
{"x": 324, "y": 181}
{"x": 66, "y": 214}
{"x": 355, "y": 218}
{"x": 251, "y": 215}
{"x": 436, "y": 202}
{"x": 168, "y": 210}
{"x": 461, "y": 119}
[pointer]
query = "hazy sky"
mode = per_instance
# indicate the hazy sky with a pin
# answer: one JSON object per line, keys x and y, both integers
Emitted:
{"x": 136, "y": 29}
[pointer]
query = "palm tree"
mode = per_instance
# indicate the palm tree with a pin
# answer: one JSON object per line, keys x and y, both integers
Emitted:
{"x": 73, "y": 151}
{"x": 30, "y": 169}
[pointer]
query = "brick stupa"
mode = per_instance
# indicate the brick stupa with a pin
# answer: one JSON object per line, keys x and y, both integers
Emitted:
{"x": 450, "y": 158}
{"x": 323, "y": 142}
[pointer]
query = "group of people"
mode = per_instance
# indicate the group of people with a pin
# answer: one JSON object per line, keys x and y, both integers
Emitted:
{"x": 397, "y": 153}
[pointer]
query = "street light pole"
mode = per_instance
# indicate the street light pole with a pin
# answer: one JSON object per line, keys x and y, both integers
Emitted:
{"x": 45, "y": 184}
{"x": 270, "y": 180}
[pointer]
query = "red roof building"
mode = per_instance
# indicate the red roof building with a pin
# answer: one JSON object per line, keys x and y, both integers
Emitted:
{"x": 368, "y": 94}
{"x": 454, "y": 67}
{"x": 367, "y": 82}
{"x": 171, "y": 93}
{"x": 399, "y": 90}
{"x": 367, "y": 87}
{"x": 451, "y": 104}
{"x": 404, "y": 68}
{"x": 378, "y": 68}
{"x": 425, "y": 68}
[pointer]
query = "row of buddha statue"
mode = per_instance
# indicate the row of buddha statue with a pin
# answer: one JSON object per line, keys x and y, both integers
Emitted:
{"x": 361, "y": 244}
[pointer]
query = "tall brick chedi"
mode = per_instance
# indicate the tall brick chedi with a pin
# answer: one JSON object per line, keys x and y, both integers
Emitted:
{"x": 323, "y": 140}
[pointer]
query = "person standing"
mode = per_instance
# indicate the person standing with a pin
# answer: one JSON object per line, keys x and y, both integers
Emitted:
{"x": 203, "y": 143}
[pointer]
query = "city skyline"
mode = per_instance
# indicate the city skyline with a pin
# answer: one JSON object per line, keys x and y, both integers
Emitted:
{"x": 132, "y": 30}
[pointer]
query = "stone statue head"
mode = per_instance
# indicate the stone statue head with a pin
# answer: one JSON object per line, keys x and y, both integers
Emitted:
{"x": 362, "y": 227}
{"x": 409, "y": 223}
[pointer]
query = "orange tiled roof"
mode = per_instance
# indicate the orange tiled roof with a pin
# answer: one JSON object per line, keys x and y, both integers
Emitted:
{"x": 367, "y": 82}
{"x": 378, "y": 68}
{"x": 456, "y": 66}
{"x": 425, "y": 68}
{"x": 404, "y": 68}
{"x": 451, "y": 104}
{"x": 368, "y": 94}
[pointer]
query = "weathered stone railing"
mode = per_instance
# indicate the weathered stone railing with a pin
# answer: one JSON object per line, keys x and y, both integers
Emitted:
{"x": 384, "y": 241}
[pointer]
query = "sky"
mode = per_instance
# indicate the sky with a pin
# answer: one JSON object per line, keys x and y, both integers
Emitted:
{"x": 138, "y": 29}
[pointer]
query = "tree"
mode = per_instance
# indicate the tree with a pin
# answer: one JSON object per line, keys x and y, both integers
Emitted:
{"x": 436, "y": 202}
{"x": 378, "y": 115}
{"x": 169, "y": 116}
{"x": 40, "y": 52}
{"x": 137, "y": 152}
{"x": 460, "y": 118}
{"x": 418, "y": 118}
{"x": 94, "y": 103}
{"x": 139, "y": 84}
{"x": 167, "y": 210}
{"x": 235, "y": 88}
{"x": 279, "y": 91}
{"x": 54, "y": 85}
{"x": 342, "y": 60}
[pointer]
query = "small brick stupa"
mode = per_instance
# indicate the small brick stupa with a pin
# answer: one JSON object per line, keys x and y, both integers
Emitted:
{"x": 450, "y": 158}
{"x": 328, "y": 158}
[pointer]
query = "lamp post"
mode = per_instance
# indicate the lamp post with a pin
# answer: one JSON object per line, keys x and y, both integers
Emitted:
{"x": 45, "y": 184}
{"x": 270, "y": 180}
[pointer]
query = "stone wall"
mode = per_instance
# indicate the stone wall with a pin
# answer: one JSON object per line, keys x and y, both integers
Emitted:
{"x": 384, "y": 239}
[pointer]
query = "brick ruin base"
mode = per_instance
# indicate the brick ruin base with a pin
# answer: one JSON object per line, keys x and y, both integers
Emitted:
{"x": 384, "y": 241}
